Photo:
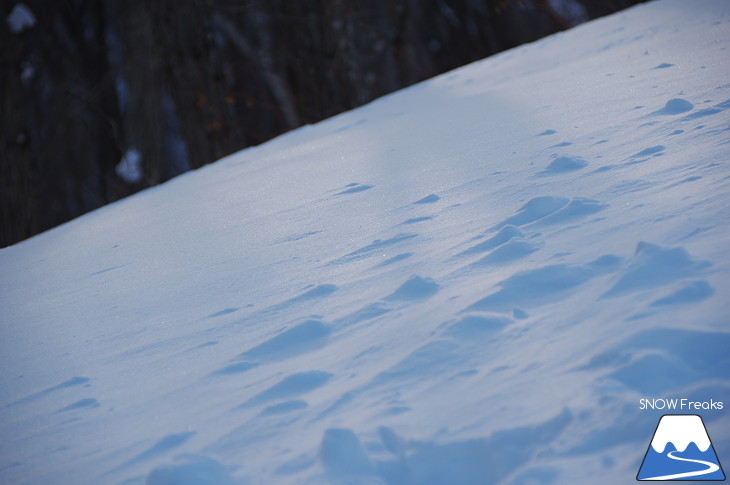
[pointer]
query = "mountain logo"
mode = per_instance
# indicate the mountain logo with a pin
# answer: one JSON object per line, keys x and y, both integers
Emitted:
{"x": 680, "y": 450}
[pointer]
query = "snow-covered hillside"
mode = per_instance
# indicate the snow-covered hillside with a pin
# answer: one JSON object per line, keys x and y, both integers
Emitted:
{"x": 472, "y": 281}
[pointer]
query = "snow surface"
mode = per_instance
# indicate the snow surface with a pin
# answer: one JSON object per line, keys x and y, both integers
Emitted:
{"x": 472, "y": 281}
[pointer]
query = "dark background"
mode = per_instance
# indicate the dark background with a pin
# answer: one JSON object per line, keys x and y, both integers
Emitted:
{"x": 183, "y": 83}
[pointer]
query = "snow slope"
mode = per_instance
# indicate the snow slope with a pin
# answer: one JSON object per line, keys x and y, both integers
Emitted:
{"x": 471, "y": 281}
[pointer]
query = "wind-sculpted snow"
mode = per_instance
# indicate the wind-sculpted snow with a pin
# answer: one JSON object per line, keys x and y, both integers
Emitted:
{"x": 162, "y": 447}
{"x": 716, "y": 109}
{"x": 535, "y": 210}
{"x": 305, "y": 337}
{"x": 649, "y": 151}
{"x": 73, "y": 382}
{"x": 191, "y": 470}
{"x": 564, "y": 164}
{"x": 475, "y": 328}
{"x": 474, "y": 461}
{"x": 505, "y": 234}
{"x": 655, "y": 266}
{"x": 692, "y": 293}
{"x": 674, "y": 358}
{"x": 355, "y": 188}
{"x": 373, "y": 247}
{"x": 544, "y": 285}
{"x": 675, "y": 106}
{"x": 472, "y": 281}
{"x": 83, "y": 403}
{"x": 576, "y": 209}
{"x": 291, "y": 386}
{"x": 415, "y": 288}
{"x": 508, "y": 252}
{"x": 429, "y": 199}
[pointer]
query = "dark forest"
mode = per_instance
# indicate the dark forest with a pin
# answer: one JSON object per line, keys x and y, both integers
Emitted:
{"x": 103, "y": 98}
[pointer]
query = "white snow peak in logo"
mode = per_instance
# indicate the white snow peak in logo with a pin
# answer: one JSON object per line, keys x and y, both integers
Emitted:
{"x": 680, "y": 450}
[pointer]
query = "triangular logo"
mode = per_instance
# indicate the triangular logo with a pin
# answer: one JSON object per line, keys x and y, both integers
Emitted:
{"x": 680, "y": 450}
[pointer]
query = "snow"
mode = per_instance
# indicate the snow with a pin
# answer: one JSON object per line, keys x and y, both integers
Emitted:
{"x": 20, "y": 18}
{"x": 473, "y": 280}
{"x": 129, "y": 167}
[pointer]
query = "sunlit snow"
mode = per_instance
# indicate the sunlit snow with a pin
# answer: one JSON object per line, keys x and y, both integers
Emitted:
{"x": 471, "y": 281}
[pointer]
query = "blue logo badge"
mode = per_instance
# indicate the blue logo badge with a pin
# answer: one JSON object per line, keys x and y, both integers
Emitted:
{"x": 680, "y": 450}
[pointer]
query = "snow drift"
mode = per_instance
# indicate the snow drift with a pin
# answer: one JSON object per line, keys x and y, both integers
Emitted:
{"x": 472, "y": 281}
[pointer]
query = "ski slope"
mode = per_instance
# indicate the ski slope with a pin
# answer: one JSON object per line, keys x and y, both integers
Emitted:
{"x": 471, "y": 281}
